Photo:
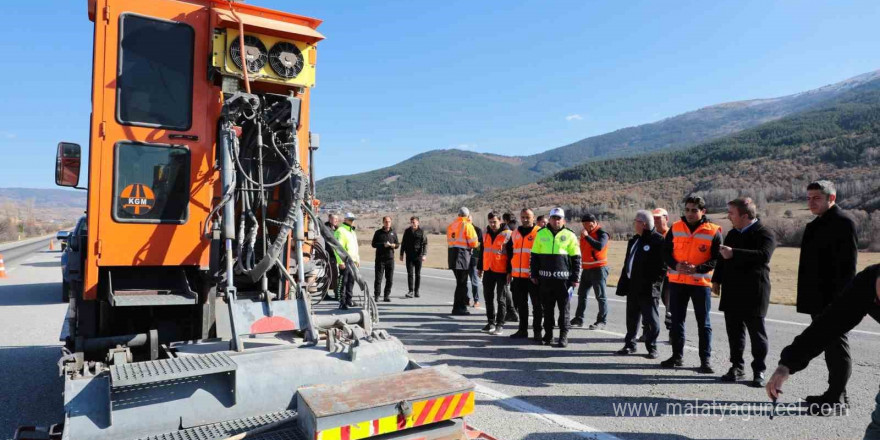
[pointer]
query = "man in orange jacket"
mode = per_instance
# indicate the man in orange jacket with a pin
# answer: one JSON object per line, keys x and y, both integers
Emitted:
{"x": 461, "y": 238}
{"x": 519, "y": 252}
{"x": 594, "y": 264}
{"x": 494, "y": 273}
{"x": 692, "y": 248}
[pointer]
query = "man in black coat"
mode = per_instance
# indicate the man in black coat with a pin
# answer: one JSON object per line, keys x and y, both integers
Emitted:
{"x": 861, "y": 297}
{"x": 827, "y": 264}
{"x": 742, "y": 276}
{"x": 641, "y": 281}
{"x": 385, "y": 242}
{"x": 414, "y": 248}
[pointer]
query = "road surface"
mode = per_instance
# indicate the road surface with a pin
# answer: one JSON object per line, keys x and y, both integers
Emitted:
{"x": 524, "y": 391}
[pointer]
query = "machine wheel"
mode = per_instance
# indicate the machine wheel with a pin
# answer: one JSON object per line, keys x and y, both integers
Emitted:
{"x": 65, "y": 291}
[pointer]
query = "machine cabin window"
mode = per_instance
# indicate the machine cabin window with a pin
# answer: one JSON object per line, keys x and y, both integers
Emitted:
{"x": 151, "y": 183}
{"x": 155, "y": 73}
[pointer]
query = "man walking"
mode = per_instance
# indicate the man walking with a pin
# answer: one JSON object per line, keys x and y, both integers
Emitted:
{"x": 494, "y": 273}
{"x": 461, "y": 239}
{"x": 594, "y": 265}
{"x": 742, "y": 277}
{"x": 827, "y": 264}
{"x": 332, "y": 223}
{"x": 385, "y": 242}
{"x": 347, "y": 237}
{"x": 519, "y": 250}
{"x": 554, "y": 269}
{"x": 860, "y": 298}
{"x": 691, "y": 252}
{"x": 640, "y": 282}
{"x": 414, "y": 248}
{"x": 475, "y": 265}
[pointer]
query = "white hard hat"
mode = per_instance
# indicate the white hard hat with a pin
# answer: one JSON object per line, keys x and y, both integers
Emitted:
{"x": 350, "y": 216}
{"x": 658, "y": 212}
{"x": 557, "y": 212}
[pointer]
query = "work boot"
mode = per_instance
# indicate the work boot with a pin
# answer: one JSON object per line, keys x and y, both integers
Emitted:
{"x": 733, "y": 374}
{"x": 562, "y": 342}
{"x": 489, "y": 328}
{"x": 597, "y": 326}
{"x": 758, "y": 380}
{"x": 626, "y": 350}
{"x": 499, "y": 330}
{"x": 652, "y": 354}
{"x": 705, "y": 368}
{"x": 577, "y": 322}
{"x": 387, "y": 299}
{"x": 673, "y": 362}
{"x": 410, "y": 295}
{"x": 520, "y": 334}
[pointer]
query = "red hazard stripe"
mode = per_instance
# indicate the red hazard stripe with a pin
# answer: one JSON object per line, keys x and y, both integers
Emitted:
{"x": 461, "y": 403}
{"x": 376, "y": 426}
{"x": 424, "y": 415}
{"x": 345, "y": 432}
{"x": 401, "y": 422}
{"x": 443, "y": 408}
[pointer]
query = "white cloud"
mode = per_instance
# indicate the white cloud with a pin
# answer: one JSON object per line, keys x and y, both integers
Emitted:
{"x": 574, "y": 117}
{"x": 466, "y": 147}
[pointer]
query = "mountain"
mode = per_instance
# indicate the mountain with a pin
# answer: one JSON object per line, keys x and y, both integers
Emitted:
{"x": 436, "y": 172}
{"x": 455, "y": 172}
{"x": 839, "y": 141}
{"x": 52, "y": 205}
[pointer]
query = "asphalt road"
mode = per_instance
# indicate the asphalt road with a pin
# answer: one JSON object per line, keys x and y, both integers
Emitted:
{"x": 524, "y": 391}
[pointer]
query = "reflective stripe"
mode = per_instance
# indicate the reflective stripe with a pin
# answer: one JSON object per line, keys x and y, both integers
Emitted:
{"x": 680, "y": 234}
{"x": 520, "y": 270}
{"x": 522, "y": 251}
{"x": 704, "y": 236}
{"x": 593, "y": 263}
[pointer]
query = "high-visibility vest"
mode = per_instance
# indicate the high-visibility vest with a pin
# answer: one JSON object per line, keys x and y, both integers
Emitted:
{"x": 590, "y": 257}
{"x": 692, "y": 248}
{"x": 461, "y": 234}
{"x": 522, "y": 252}
{"x": 494, "y": 257}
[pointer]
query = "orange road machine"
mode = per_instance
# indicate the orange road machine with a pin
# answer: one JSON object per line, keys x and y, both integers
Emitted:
{"x": 193, "y": 318}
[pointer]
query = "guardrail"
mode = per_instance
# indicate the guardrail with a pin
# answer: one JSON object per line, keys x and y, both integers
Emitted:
{"x": 17, "y": 244}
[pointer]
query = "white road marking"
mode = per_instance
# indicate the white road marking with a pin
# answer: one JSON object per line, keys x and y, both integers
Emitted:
{"x": 544, "y": 415}
{"x": 778, "y": 321}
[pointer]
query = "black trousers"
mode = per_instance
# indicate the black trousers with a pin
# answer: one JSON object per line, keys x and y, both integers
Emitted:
{"x": 383, "y": 269}
{"x": 642, "y": 310}
{"x": 737, "y": 324}
{"x": 511, "y": 304}
{"x": 346, "y": 286}
{"x": 839, "y": 363}
{"x": 413, "y": 272}
{"x": 460, "y": 301}
{"x": 493, "y": 287}
{"x": 679, "y": 296}
{"x": 554, "y": 294}
{"x": 523, "y": 290}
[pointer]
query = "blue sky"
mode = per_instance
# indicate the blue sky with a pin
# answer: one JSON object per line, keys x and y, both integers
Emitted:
{"x": 398, "y": 78}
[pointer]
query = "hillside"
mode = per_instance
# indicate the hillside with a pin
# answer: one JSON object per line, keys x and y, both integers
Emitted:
{"x": 437, "y": 172}
{"x": 27, "y": 212}
{"x": 451, "y": 172}
{"x": 772, "y": 162}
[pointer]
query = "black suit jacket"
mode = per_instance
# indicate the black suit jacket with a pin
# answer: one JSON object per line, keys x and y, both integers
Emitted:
{"x": 828, "y": 260}
{"x": 745, "y": 278}
{"x": 648, "y": 267}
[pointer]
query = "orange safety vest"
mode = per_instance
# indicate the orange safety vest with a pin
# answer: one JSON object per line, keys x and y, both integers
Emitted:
{"x": 494, "y": 257}
{"x": 522, "y": 252}
{"x": 590, "y": 257}
{"x": 692, "y": 248}
{"x": 461, "y": 234}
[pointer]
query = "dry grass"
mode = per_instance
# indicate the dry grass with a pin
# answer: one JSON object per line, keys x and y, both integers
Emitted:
{"x": 783, "y": 266}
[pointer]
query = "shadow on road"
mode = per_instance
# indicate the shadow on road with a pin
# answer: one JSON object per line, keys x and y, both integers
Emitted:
{"x": 43, "y": 264}
{"x": 32, "y": 389}
{"x": 30, "y": 294}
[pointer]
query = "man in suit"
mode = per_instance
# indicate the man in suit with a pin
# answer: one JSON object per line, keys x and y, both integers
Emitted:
{"x": 742, "y": 277}
{"x": 641, "y": 281}
{"x": 827, "y": 264}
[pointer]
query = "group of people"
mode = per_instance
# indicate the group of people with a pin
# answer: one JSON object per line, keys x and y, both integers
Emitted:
{"x": 536, "y": 266}
{"x": 413, "y": 250}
